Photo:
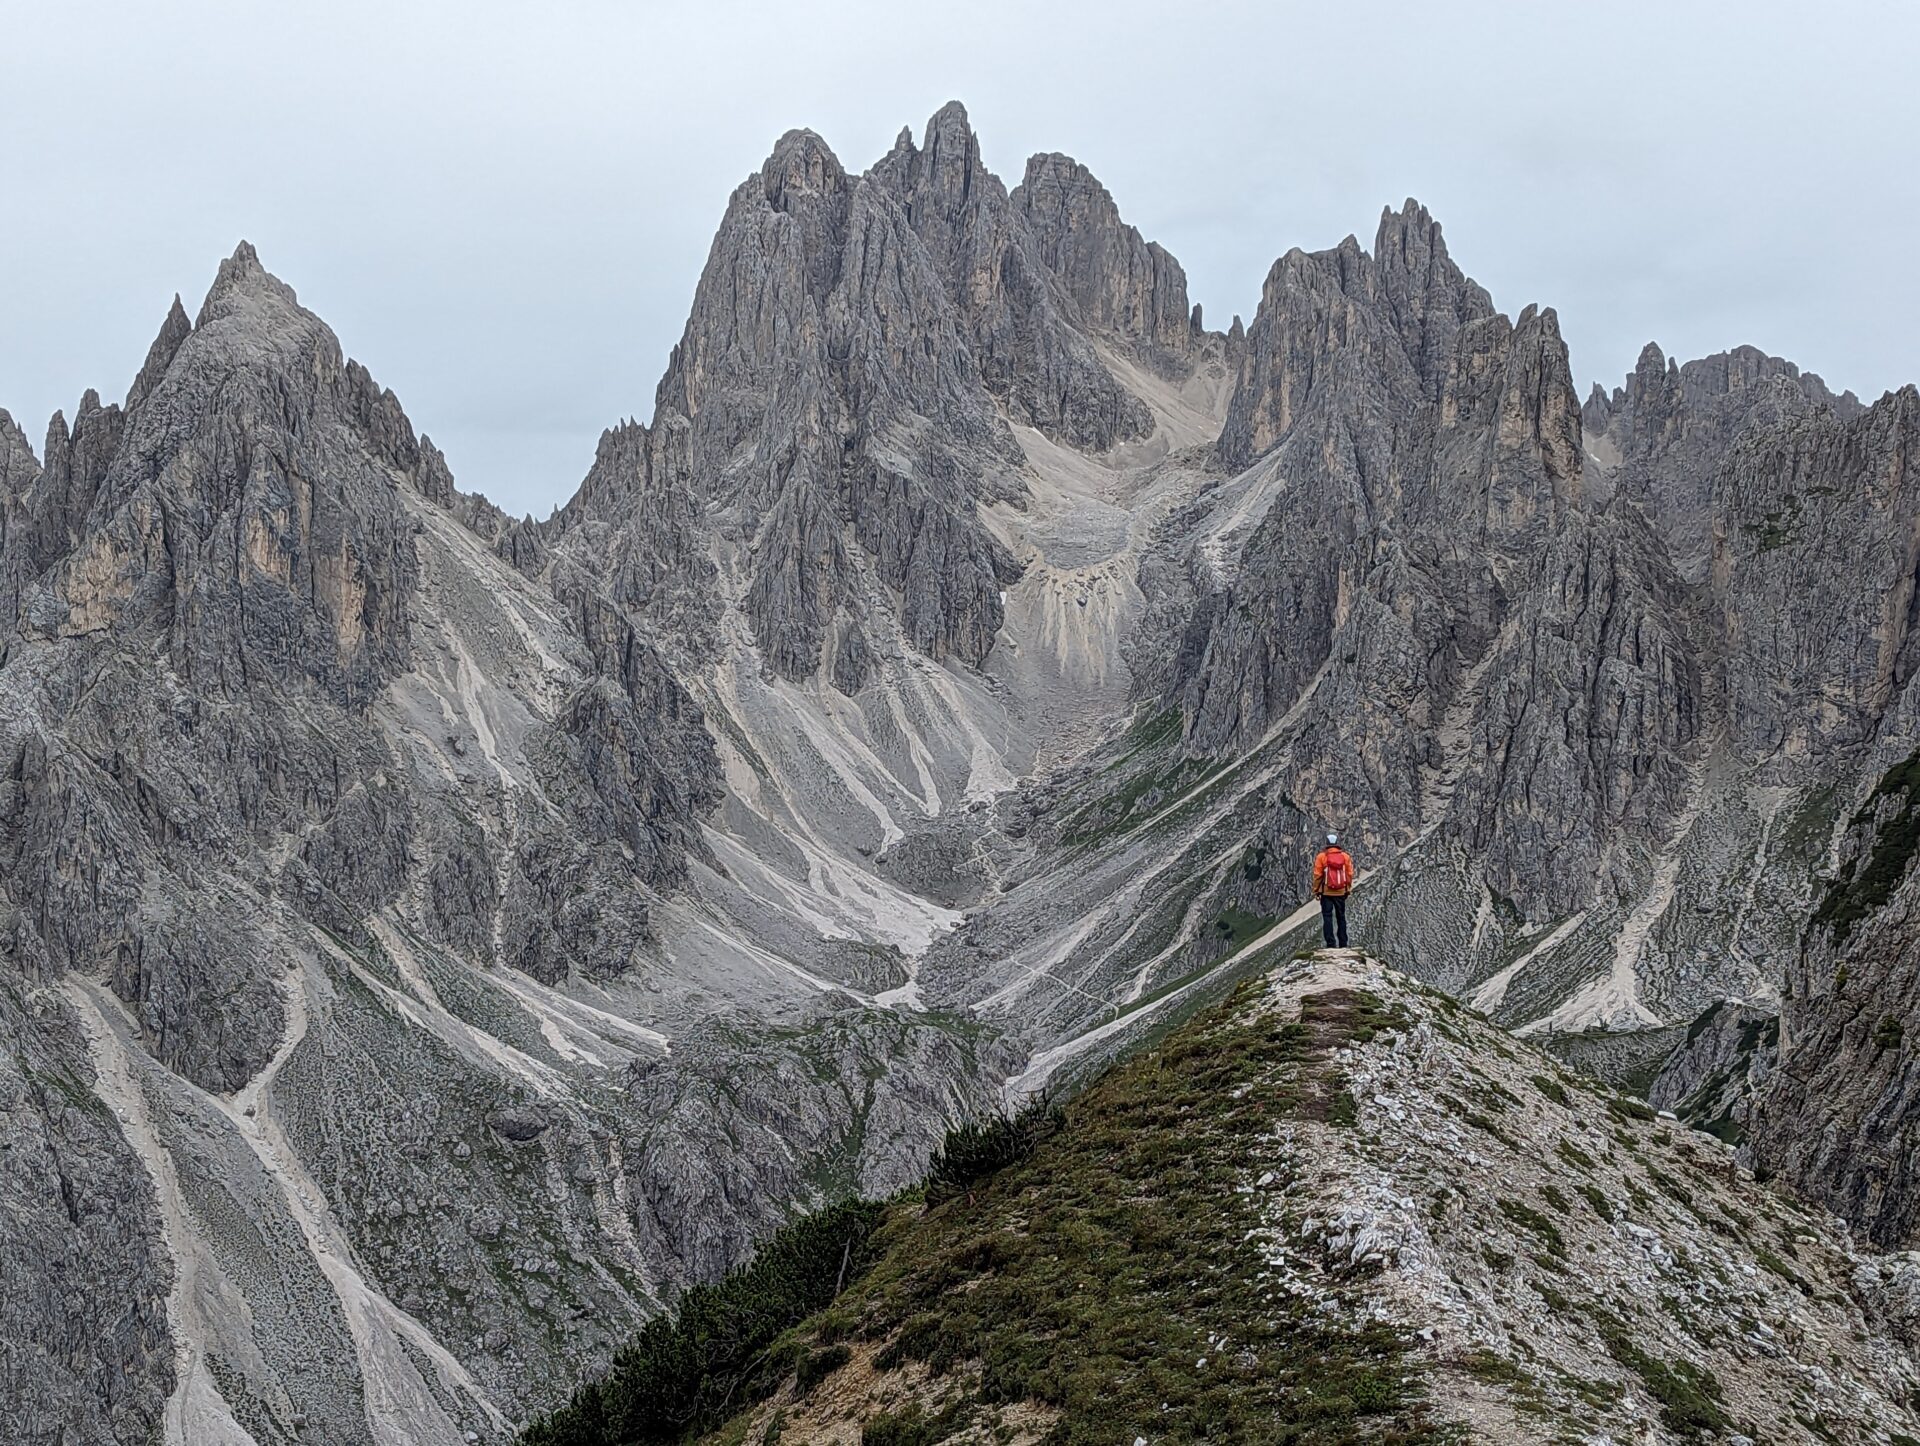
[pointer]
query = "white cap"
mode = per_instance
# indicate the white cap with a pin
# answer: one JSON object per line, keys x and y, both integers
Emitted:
{"x": 1333, "y": 838}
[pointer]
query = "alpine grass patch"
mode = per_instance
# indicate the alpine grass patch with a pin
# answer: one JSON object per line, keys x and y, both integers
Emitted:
{"x": 1098, "y": 1264}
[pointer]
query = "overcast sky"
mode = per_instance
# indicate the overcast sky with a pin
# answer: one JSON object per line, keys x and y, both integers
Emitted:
{"x": 502, "y": 208}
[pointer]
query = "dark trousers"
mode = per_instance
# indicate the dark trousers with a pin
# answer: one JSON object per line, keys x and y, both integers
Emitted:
{"x": 1333, "y": 912}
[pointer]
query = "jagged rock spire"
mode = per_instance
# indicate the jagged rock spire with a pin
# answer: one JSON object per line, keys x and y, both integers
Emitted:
{"x": 1120, "y": 284}
{"x": 1430, "y": 297}
{"x": 173, "y": 330}
{"x": 1015, "y": 314}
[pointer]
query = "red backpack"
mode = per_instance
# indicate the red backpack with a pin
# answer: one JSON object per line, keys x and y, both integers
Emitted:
{"x": 1338, "y": 875}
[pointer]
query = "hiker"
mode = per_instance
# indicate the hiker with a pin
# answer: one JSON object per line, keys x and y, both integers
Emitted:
{"x": 1332, "y": 879}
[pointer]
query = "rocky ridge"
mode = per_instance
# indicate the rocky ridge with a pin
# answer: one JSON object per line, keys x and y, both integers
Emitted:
{"x": 1432, "y": 1204}
{"x": 929, "y": 700}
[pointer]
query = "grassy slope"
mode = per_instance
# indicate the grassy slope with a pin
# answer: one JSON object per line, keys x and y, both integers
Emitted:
{"x": 1205, "y": 1246}
{"x": 1109, "y": 1279}
{"x": 1104, "y": 1287}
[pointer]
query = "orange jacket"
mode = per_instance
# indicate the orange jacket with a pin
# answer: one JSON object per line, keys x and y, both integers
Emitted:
{"x": 1320, "y": 872}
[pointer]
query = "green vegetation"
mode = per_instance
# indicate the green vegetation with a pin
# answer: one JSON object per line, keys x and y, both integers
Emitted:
{"x": 1102, "y": 1277}
{"x": 1780, "y": 1268}
{"x": 815, "y": 1366}
{"x": 1552, "y": 1297}
{"x": 912, "y": 1426}
{"x": 1553, "y": 1090}
{"x": 1601, "y": 1205}
{"x": 975, "y": 1151}
{"x": 1887, "y": 1033}
{"x": 1492, "y": 1094}
{"x": 1574, "y": 1155}
{"x": 1775, "y": 529}
{"x": 1858, "y": 891}
{"x": 1236, "y": 926}
{"x": 1688, "y": 1396}
{"x": 1147, "y": 775}
{"x": 1342, "y": 1108}
{"x": 1624, "y": 1107}
{"x": 1671, "y": 1187}
{"x": 1479, "y": 1121}
{"x": 1527, "y": 1218}
{"x": 690, "y": 1371}
{"x": 1095, "y": 1262}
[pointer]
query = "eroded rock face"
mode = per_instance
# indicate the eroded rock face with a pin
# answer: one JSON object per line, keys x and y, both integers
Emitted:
{"x": 1121, "y": 285}
{"x": 1664, "y": 435}
{"x": 823, "y": 401}
{"x": 1013, "y": 312}
{"x": 1837, "y": 1119}
{"x": 1720, "y": 1065}
{"x": 248, "y": 518}
{"x": 1431, "y": 580}
{"x": 83, "y": 1274}
{"x": 1838, "y": 684}
{"x": 1816, "y": 545}
{"x": 256, "y": 673}
{"x": 838, "y": 405}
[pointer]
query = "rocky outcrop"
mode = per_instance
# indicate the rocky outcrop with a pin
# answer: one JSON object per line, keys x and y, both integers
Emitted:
{"x": 1455, "y": 637}
{"x": 243, "y": 510}
{"x": 1014, "y": 314}
{"x": 1836, "y": 1120}
{"x": 20, "y": 471}
{"x": 84, "y": 1277}
{"x": 1664, "y": 436}
{"x": 1593, "y": 707}
{"x": 822, "y": 402}
{"x": 1365, "y": 336}
{"x": 1816, "y": 547}
{"x": 836, "y": 410}
{"x": 1121, "y": 285}
{"x": 1721, "y": 1063}
{"x": 1429, "y": 297}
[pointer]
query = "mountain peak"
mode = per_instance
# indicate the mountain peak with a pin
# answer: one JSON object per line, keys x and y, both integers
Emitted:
{"x": 1411, "y": 213}
{"x": 244, "y": 263}
{"x": 1410, "y": 234}
{"x": 950, "y": 117}
{"x": 950, "y": 147}
{"x": 18, "y": 464}
{"x": 173, "y": 330}
{"x": 1123, "y": 285}
{"x": 801, "y": 163}
{"x": 242, "y": 274}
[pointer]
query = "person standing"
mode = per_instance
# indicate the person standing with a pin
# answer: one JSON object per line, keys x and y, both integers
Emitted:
{"x": 1332, "y": 880}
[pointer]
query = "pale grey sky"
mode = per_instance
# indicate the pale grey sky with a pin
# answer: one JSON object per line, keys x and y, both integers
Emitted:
{"x": 502, "y": 208}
